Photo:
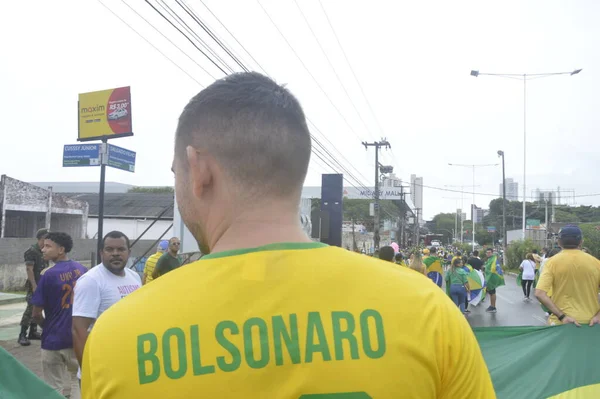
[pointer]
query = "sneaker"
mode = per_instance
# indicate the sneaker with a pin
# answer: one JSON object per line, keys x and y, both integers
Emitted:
{"x": 525, "y": 299}
{"x": 23, "y": 341}
{"x": 34, "y": 335}
{"x": 491, "y": 309}
{"x": 467, "y": 311}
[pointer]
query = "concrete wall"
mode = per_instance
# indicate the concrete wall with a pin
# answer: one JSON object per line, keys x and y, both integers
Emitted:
{"x": 26, "y": 208}
{"x": 12, "y": 268}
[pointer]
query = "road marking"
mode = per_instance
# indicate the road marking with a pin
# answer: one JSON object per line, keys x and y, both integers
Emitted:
{"x": 505, "y": 299}
{"x": 540, "y": 319}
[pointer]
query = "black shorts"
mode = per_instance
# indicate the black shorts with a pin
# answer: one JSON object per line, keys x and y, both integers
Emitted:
{"x": 491, "y": 292}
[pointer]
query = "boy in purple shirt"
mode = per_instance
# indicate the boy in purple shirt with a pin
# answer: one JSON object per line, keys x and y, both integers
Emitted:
{"x": 54, "y": 296}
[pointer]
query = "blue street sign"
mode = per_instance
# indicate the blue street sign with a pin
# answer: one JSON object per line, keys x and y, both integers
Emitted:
{"x": 121, "y": 158}
{"x": 81, "y": 155}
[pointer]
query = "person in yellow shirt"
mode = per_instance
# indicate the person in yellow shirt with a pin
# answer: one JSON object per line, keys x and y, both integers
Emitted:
{"x": 268, "y": 313}
{"x": 573, "y": 278}
{"x": 151, "y": 261}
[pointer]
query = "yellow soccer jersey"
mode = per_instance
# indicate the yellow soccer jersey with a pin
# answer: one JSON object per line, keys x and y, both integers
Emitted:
{"x": 150, "y": 265}
{"x": 291, "y": 320}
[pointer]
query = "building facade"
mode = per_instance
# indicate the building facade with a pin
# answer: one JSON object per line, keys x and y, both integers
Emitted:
{"x": 512, "y": 190}
{"x": 416, "y": 195}
{"x": 27, "y": 208}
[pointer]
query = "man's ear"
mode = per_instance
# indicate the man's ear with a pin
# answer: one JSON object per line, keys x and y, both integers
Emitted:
{"x": 201, "y": 173}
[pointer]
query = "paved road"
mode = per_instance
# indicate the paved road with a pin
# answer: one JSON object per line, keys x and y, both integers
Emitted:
{"x": 512, "y": 310}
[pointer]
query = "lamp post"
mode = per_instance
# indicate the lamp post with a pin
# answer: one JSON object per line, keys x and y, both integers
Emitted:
{"x": 525, "y": 77}
{"x": 473, "y": 216}
{"x": 504, "y": 237}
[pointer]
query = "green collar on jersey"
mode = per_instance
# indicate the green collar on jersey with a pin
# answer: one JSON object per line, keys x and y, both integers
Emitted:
{"x": 281, "y": 246}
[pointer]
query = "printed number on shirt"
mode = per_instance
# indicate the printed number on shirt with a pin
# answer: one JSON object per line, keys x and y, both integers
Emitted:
{"x": 67, "y": 298}
{"x": 340, "y": 395}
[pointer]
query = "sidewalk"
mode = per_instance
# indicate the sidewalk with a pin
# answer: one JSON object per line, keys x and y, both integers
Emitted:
{"x": 10, "y": 317}
{"x": 7, "y": 298}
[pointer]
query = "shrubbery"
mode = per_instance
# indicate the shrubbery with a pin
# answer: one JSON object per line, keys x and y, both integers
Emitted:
{"x": 516, "y": 251}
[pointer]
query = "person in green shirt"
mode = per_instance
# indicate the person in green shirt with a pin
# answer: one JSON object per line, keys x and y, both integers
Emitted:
{"x": 456, "y": 279}
{"x": 169, "y": 260}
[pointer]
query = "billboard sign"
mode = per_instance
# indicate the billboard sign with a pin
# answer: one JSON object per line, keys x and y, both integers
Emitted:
{"x": 121, "y": 158}
{"x": 81, "y": 155}
{"x": 491, "y": 229}
{"x": 104, "y": 114}
{"x": 533, "y": 223}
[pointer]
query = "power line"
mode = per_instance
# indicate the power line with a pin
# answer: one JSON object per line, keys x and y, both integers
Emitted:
{"x": 234, "y": 38}
{"x": 190, "y": 31}
{"x": 153, "y": 46}
{"x": 333, "y": 68}
{"x": 212, "y": 35}
{"x": 352, "y": 69}
{"x": 165, "y": 37}
{"x": 306, "y": 68}
{"x": 184, "y": 35}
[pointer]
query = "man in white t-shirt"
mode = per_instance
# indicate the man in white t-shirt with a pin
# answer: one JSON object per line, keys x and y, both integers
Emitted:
{"x": 102, "y": 287}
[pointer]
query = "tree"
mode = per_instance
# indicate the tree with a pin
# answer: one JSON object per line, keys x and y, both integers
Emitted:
{"x": 357, "y": 210}
{"x": 562, "y": 216}
{"x": 444, "y": 223}
{"x": 591, "y": 238}
{"x": 153, "y": 190}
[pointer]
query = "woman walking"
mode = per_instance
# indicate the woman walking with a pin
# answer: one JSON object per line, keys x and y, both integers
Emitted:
{"x": 416, "y": 262}
{"x": 528, "y": 268}
{"x": 459, "y": 287}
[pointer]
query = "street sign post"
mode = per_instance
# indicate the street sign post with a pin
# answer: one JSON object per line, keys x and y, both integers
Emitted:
{"x": 121, "y": 158}
{"x": 81, "y": 155}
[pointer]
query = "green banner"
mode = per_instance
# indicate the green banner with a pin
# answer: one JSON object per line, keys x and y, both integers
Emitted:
{"x": 542, "y": 362}
{"x": 17, "y": 382}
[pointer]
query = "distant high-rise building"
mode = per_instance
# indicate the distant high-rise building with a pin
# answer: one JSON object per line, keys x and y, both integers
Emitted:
{"x": 416, "y": 195}
{"x": 512, "y": 190}
{"x": 477, "y": 214}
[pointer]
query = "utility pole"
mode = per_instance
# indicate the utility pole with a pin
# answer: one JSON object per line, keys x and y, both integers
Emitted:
{"x": 402, "y": 218}
{"x": 417, "y": 227}
{"x": 377, "y": 144}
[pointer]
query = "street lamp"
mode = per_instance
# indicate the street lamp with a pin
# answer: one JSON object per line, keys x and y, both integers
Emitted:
{"x": 525, "y": 77}
{"x": 504, "y": 239}
{"x": 473, "y": 205}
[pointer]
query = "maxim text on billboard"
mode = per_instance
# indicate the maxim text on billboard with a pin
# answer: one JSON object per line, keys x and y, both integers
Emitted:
{"x": 105, "y": 114}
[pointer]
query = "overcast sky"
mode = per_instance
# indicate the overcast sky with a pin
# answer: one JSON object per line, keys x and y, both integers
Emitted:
{"x": 412, "y": 59}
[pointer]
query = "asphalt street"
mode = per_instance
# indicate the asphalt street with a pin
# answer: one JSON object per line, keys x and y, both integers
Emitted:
{"x": 512, "y": 310}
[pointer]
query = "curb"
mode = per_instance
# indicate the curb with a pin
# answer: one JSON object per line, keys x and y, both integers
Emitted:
{"x": 9, "y": 301}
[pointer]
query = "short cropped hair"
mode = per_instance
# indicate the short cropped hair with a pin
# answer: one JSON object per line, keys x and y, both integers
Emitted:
{"x": 255, "y": 129}
{"x": 116, "y": 234}
{"x": 61, "y": 239}
{"x": 387, "y": 253}
{"x": 41, "y": 233}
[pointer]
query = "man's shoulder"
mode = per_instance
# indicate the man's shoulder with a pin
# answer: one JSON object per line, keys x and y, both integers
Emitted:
{"x": 132, "y": 274}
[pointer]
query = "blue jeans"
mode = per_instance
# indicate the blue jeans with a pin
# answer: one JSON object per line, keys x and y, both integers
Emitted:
{"x": 458, "y": 293}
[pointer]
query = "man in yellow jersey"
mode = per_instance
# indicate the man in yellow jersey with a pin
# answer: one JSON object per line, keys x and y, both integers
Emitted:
{"x": 573, "y": 277}
{"x": 268, "y": 313}
{"x": 151, "y": 261}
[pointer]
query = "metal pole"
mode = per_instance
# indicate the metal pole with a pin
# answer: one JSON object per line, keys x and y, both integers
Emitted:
{"x": 474, "y": 209}
{"x": 524, "y": 153}
{"x": 546, "y": 220}
{"x": 103, "y": 160}
{"x": 376, "y": 227}
{"x": 505, "y": 235}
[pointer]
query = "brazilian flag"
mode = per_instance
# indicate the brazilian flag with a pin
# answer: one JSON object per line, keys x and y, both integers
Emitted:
{"x": 434, "y": 269}
{"x": 555, "y": 362}
{"x": 494, "y": 275}
{"x": 16, "y": 381}
{"x": 520, "y": 279}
